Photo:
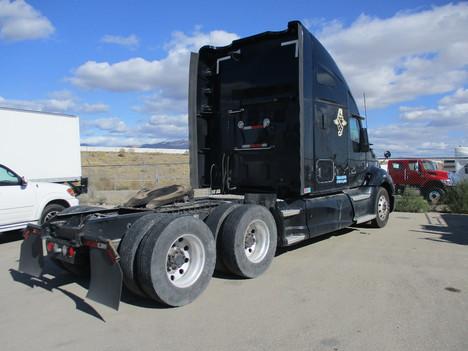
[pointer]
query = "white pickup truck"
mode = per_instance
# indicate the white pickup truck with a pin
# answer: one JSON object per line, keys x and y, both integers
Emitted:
{"x": 23, "y": 202}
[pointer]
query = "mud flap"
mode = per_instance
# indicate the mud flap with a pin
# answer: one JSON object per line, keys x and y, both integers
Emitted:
{"x": 31, "y": 255}
{"x": 106, "y": 276}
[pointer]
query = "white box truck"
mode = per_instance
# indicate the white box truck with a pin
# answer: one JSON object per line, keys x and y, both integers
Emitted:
{"x": 41, "y": 146}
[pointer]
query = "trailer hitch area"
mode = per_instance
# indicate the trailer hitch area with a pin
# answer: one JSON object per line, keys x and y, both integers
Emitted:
{"x": 32, "y": 255}
{"x": 105, "y": 284}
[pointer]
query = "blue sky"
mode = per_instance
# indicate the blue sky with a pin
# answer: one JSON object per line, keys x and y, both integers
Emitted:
{"x": 122, "y": 65}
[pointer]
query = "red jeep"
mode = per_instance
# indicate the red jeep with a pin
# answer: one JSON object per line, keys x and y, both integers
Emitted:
{"x": 422, "y": 174}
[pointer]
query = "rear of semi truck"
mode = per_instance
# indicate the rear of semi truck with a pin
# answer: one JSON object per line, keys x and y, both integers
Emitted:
{"x": 276, "y": 134}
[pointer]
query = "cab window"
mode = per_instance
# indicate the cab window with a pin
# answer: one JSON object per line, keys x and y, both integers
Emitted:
{"x": 429, "y": 165}
{"x": 325, "y": 78}
{"x": 413, "y": 166}
{"x": 396, "y": 166}
{"x": 7, "y": 177}
{"x": 354, "y": 128}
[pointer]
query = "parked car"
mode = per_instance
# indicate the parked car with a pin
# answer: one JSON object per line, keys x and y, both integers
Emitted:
{"x": 23, "y": 202}
{"x": 421, "y": 174}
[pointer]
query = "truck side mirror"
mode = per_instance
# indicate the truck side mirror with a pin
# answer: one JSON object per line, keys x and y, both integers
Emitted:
{"x": 23, "y": 181}
{"x": 364, "y": 145}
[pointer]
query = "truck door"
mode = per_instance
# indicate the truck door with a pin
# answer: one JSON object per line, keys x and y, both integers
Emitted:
{"x": 397, "y": 172}
{"x": 357, "y": 158}
{"x": 16, "y": 200}
{"x": 331, "y": 146}
{"x": 414, "y": 176}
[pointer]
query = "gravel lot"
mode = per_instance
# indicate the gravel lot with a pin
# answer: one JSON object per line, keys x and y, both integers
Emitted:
{"x": 404, "y": 287}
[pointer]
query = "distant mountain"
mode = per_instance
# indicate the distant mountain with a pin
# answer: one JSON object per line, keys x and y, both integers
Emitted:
{"x": 174, "y": 144}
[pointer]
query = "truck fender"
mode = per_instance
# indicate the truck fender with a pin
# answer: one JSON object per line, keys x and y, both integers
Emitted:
{"x": 378, "y": 177}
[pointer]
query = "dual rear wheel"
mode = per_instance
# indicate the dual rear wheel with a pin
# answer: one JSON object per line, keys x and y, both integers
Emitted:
{"x": 171, "y": 258}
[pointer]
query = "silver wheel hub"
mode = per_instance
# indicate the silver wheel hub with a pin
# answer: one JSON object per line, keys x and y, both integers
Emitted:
{"x": 50, "y": 215}
{"x": 382, "y": 207}
{"x": 185, "y": 260}
{"x": 256, "y": 241}
{"x": 434, "y": 196}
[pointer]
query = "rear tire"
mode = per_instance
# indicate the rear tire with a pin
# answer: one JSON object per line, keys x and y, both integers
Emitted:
{"x": 248, "y": 241}
{"x": 49, "y": 212}
{"x": 176, "y": 260}
{"x": 382, "y": 209}
{"x": 129, "y": 246}
{"x": 215, "y": 222}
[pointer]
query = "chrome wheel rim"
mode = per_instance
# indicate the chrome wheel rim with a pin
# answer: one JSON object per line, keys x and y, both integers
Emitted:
{"x": 50, "y": 215}
{"x": 185, "y": 260}
{"x": 434, "y": 196}
{"x": 382, "y": 207}
{"x": 256, "y": 241}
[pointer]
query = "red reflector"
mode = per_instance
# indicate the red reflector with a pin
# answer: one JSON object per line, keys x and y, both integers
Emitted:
{"x": 71, "y": 252}
{"x": 50, "y": 246}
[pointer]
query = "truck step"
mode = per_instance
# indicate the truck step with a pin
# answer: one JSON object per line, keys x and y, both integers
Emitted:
{"x": 364, "y": 219}
{"x": 290, "y": 212}
{"x": 293, "y": 239}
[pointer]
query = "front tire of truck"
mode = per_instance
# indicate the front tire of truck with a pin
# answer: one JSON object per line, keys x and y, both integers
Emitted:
{"x": 248, "y": 241}
{"x": 433, "y": 195}
{"x": 176, "y": 260}
{"x": 382, "y": 209}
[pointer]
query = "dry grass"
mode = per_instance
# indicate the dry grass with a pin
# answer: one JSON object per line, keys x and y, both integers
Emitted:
{"x": 130, "y": 171}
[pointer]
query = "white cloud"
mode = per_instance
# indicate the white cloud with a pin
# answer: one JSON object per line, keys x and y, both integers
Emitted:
{"x": 452, "y": 111}
{"x": 168, "y": 75}
{"x": 59, "y": 102}
{"x": 115, "y": 132}
{"x": 426, "y": 131}
{"x": 167, "y": 126}
{"x": 130, "y": 41}
{"x": 20, "y": 21}
{"x": 403, "y": 57}
{"x": 111, "y": 125}
{"x": 158, "y": 104}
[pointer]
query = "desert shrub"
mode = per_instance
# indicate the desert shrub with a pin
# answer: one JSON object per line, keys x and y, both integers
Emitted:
{"x": 411, "y": 201}
{"x": 456, "y": 197}
{"x": 122, "y": 152}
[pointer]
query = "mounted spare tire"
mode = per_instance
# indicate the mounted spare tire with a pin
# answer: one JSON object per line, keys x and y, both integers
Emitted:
{"x": 176, "y": 260}
{"x": 248, "y": 241}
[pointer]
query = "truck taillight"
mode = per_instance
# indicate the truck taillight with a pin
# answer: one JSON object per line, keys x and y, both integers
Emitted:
{"x": 71, "y": 252}
{"x": 50, "y": 246}
{"x": 71, "y": 192}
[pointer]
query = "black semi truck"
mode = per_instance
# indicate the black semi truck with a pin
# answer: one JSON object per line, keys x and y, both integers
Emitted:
{"x": 276, "y": 135}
